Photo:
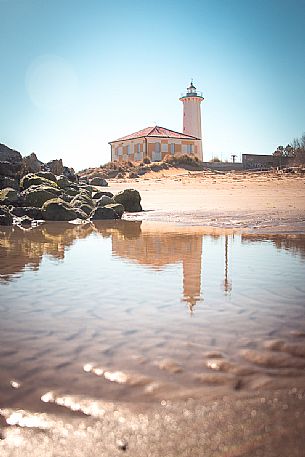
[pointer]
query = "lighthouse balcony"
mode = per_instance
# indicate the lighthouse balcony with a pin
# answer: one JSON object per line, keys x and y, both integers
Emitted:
{"x": 192, "y": 94}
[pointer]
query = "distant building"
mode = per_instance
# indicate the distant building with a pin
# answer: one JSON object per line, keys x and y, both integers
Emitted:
{"x": 263, "y": 162}
{"x": 156, "y": 142}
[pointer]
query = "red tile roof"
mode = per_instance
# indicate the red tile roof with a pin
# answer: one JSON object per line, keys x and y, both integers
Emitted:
{"x": 156, "y": 132}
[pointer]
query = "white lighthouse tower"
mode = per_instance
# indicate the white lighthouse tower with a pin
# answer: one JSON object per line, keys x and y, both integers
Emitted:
{"x": 192, "y": 115}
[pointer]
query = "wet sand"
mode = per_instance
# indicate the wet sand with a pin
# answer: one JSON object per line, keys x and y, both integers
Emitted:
{"x": 270, "y": 424}
{"x": 265, "y": 202}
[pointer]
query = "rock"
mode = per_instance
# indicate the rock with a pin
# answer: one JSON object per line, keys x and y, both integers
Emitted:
{"x": 77, "y": 200}
{"x": 47, "y": 175}
{"x": 56, "y": 167}
{"x": 23, "y": 220}
{"x": 133, "y": 175}
{"x": 6, "y": 181}
{"x": 84, "y": 198}
{"x": 30, "y": 164}
{"x": 117, "y": 207}
{"x": 37, "y": 195}
{"x": 104, "y": 200}
{"x": 101, "y": 213}
{"x": 58, "y": 210}
{"x": 142, "y": 171}
{"x": 9, "y": 155}
{"x": 32, "y": 179}
{"x": 112, "y": 174}
{"x": 81, "y": 214}
{"x": 5, "y": 217}
{"x": 83, "y": 202}
{"x": 9, "y": 169}
{"x": 130, "y": 199}
{"x": 85, "y": 192}
{"x": 70, "y": 174}
{"x": 99, "y": 194}
{"x": 122, "y": 445}
{"x": 87, "y": 188}
{"x": 85, "y": 208}
{"x": 32, "y": 212}
{"x": 97, "y": 181}
{"x": 66, "y": 198}
{"x": 9, "y": 196}
{"x": 71, "y": 191}
{"x": 63, "y": 182}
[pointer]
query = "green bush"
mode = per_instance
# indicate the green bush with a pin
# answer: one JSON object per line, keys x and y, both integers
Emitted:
{"x": 185, "y": 159}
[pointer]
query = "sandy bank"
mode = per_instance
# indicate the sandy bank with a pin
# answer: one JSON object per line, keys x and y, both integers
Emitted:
{"x": 238, "y": 200}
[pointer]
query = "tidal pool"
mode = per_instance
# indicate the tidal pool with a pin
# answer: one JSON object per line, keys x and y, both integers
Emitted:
{"x": 143, "y": 315}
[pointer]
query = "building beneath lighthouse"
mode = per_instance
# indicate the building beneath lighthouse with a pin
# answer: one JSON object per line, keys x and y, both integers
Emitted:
{"x": 156, "y": 142}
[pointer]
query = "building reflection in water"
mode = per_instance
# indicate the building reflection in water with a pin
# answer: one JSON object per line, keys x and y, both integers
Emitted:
{"x": 150, "y": 245}
{"x": 156, "y": 249}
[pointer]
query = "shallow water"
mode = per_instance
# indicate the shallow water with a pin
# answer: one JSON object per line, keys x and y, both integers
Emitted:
{"x": 143, "y": 313}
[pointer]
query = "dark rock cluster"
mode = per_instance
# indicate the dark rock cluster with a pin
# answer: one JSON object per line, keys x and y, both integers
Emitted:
{"x": 54, "y": 193}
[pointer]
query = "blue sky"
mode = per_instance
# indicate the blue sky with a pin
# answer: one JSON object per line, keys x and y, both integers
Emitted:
{"x": 77, "y": 74}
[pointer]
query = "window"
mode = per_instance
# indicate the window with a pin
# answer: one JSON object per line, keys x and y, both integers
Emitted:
{"x": 189, "y": 148}
{"x": 164, "y": 147}
{"x": 172, "y": 146}
{"x": 120, "y": 150}
{"x": 156, "y": 154}
{"x": 129, "y": 151}
{"x": 138, "y": 148}
{"x": 138, "y": 156}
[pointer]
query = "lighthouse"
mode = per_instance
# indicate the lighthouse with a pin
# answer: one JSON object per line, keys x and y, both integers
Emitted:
{"x": 192, "y": 115}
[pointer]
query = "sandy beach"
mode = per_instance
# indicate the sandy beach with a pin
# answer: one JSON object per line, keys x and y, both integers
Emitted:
{"x": 258, "y": 202}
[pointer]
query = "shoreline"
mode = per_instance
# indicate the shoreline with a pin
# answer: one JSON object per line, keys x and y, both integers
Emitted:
{"x": 237, "y": 201}
{"x": 206, "y": 222}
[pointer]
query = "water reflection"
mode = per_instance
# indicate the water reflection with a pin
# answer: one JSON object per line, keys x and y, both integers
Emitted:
{"x": 295, "y": 243}
{"x": 227, "y": 283}
{"x": 101, "y": 313}
{"x": 157, "y": 249}
{"x": 20, "y": 250}
{"x": 149, "y": 245}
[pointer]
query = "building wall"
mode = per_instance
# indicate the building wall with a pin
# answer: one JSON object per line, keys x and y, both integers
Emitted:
{"x": 257, "y": 161}
{"x": 157, "y": 149}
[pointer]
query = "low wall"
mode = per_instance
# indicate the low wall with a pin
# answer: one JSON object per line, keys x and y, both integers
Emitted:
{"x": 223, "y": 166}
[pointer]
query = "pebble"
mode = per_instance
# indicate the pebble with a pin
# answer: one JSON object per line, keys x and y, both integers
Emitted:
{"x": 122, "y": 445}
